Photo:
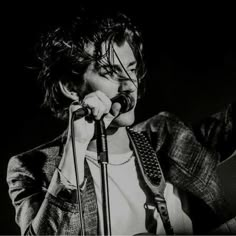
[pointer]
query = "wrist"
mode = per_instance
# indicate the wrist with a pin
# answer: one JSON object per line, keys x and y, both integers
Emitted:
{"x": 67, "y": 164}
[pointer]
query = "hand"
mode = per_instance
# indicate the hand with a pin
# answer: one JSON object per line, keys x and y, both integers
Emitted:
{"x": 84, "y": 129}
{"x": 100, "y": 105}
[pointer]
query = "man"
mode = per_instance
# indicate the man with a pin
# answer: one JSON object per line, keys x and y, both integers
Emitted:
{"x": 86, "y": 65}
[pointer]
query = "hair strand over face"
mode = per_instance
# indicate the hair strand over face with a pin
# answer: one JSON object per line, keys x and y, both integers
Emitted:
{"x": 64, "y": 54}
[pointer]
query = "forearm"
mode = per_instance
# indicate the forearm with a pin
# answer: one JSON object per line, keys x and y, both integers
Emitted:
{"x": 62, "y": 194}
{"x": 70, "y": 163}
{"x": 54, "y": 216}
{"x": 42, "y": 208}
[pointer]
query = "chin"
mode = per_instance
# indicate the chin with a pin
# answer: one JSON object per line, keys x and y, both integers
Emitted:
{"x": 123, "y": 120}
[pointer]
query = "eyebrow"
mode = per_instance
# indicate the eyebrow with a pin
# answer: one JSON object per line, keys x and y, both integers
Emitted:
{"x": 132, "y": 63}
{"x": 118, "y": 67}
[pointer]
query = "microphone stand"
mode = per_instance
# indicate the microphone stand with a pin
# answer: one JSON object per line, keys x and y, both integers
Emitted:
{"x": 103, "y": 160}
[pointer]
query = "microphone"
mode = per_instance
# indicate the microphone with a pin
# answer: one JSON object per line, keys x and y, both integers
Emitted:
{"x": 126, "y": 101}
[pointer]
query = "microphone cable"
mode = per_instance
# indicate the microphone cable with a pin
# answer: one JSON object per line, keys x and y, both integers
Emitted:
{"x": 78, "y": 189}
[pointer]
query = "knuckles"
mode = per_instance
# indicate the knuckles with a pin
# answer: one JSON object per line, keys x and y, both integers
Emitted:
{"x": 98, "y": 101}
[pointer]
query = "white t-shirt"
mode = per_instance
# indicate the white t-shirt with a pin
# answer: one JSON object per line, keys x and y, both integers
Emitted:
{"x": 127, "y": 198}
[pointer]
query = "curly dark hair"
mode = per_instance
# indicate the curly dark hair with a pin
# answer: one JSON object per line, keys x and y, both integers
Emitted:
{"x": 64, "y": 56}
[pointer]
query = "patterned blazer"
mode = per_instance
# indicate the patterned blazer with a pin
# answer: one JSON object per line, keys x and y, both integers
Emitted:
{"x": 188, "y": 156}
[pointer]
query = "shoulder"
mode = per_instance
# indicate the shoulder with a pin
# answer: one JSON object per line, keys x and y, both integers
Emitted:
{"x": 159, "y": 127}
{"x": 35, "y": 160}
{"x": 158, "y": 122}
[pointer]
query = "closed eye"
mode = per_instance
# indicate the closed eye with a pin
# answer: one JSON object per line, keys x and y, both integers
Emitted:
{"x": 133, "y": 70}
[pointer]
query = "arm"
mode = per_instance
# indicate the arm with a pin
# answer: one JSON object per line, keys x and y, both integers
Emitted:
{"x": 49, "y": 208}
{"x": 188, "y": 163}
{"x": 218, "y": 131}
{"x": 41, "y": 208}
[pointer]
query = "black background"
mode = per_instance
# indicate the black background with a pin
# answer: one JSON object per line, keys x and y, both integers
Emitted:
{"x": 190, "y": 54}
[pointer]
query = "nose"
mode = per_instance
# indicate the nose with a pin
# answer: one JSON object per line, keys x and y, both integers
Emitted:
{"x": 127, "y": 85}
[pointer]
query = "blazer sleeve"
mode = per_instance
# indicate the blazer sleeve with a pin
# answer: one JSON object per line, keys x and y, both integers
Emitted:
{"x": 218, "y": 131}
{"x": 41, "y": 208}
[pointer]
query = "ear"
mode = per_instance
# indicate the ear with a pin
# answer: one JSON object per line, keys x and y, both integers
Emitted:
{"x": 68, "y": 93}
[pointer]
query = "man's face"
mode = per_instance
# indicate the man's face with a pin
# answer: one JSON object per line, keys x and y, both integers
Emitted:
{"x": 122, "y": 78}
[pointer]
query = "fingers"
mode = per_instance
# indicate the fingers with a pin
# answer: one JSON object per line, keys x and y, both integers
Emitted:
{"x": 99, "y": 104}
{"x": 74, "y": 106}
{"x": 83, "y": 130}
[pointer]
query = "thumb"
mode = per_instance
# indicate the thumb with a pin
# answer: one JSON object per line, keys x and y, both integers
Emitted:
{"x": 115, "y": 109}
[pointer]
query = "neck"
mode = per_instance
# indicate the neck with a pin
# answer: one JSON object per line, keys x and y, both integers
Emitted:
{"x": 117, "y": 141}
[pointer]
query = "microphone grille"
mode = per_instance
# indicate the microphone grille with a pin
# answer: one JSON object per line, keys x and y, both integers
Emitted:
{"x": 126, "y": 100}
